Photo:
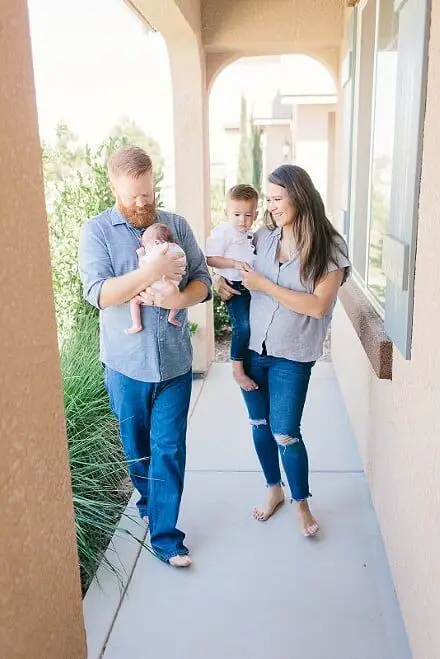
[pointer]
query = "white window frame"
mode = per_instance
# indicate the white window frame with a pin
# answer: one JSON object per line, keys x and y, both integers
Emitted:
{"x": 398, "y": 260}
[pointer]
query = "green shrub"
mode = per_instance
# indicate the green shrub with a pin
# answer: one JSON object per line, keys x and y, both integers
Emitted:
{"x": 221, "y": 317}
{"x": 99, "y": 475}
{"x": 193, "y": 327}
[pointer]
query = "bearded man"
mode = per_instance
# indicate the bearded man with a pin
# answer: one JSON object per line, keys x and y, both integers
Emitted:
{"x": 148, "y": 374}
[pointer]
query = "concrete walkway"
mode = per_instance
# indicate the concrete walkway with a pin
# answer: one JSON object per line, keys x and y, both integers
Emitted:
{"x": 261, "y": 591}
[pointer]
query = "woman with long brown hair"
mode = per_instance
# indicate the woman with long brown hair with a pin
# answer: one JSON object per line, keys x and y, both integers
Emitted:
{"x": 301, "y": 261}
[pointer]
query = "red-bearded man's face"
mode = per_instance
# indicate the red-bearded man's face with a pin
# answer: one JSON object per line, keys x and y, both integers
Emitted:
{"x": 135, "y": 199}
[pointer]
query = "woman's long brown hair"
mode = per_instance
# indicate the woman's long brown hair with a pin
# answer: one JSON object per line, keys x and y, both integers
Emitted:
{"x": 316, "y": 238}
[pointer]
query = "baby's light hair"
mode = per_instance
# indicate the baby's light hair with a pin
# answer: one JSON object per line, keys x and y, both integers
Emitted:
{"x": 158, "y": 231}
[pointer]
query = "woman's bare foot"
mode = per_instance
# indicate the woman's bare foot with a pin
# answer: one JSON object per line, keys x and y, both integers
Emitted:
{"x": 274, "y": 501}
{"x": 180, "y": 561}
{"x": 243, "y": 380}
{"x": 309, "y": 525}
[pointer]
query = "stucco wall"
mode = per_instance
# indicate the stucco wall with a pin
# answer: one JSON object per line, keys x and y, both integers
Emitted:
{"x": 40, "y": 599}
{"x": 246, "y": 24}
{"x": 276, "y": 137}
{"x": 312, "y": 143}
{"x": 191, "y": 9}
{"x": 397, "y": 423}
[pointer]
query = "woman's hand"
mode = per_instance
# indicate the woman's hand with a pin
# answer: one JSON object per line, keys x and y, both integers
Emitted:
{"x": 252, "y": 280}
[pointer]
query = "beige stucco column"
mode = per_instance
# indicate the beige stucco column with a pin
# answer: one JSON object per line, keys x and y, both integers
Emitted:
{"x": 40, "y": 597}
{"x": 192, "y": 166}
{"x": 180, "y": 25}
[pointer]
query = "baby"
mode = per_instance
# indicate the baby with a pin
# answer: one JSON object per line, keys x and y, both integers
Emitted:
{"x": 156, "y": 234}
{"x": 229, "y": 249}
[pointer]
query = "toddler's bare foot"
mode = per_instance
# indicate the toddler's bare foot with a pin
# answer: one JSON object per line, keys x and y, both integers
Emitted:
{"x": 309, "y": 525}
{"x": 180, "y": 561}
{"x": 275, "y": 500}
{"x": 134, "y": 329}
{"x": 243, "y": 380}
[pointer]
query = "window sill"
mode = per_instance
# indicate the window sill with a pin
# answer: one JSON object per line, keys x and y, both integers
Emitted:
{"x": 369, "y": 327}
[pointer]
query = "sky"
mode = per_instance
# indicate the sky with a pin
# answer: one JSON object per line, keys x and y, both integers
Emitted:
{"x": 94, "y": 62}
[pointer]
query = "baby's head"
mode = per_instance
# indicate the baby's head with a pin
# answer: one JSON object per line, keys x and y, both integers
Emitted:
{"x": 241, "y": 206}
{"x": 156, "y": 234}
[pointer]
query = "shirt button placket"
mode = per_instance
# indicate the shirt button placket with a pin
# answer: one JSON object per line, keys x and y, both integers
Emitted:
{"x": 160, "y": 333}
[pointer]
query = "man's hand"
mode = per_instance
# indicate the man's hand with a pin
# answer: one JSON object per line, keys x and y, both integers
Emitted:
{"x": 160, "y": 262}
{"x": 144, "y": 298}
{"x": 223, "y": 289}
{"x": 168, "y": 297}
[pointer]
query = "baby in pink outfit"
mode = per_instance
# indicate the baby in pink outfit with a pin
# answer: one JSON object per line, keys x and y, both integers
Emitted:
{"x": 156, "y": 234}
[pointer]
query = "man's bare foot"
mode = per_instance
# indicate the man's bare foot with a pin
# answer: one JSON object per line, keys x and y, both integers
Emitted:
{"x": 134, "y": 329}
{"x": 180, "y": 561}
{"x": 243, "y": 380}
{"x": 309, "y": 525}
{"x": 275, "y": 500}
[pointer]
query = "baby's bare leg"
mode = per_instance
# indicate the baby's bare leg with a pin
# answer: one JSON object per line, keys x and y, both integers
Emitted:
{"x": 173, "y": 313}
{"x": 172, "y": 318}
{"x": 135, "y": 312}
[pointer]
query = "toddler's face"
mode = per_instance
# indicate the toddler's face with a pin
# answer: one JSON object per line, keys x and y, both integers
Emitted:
{"x": 241, "y": 213}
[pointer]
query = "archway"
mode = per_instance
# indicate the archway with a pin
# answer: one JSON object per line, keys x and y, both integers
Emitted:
{"x": 291, "y": 100}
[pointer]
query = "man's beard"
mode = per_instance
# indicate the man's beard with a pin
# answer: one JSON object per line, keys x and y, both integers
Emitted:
{"x": 141, "y": 218}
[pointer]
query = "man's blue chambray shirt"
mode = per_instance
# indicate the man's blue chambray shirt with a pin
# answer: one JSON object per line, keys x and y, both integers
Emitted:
{"x": 108, "y": 249}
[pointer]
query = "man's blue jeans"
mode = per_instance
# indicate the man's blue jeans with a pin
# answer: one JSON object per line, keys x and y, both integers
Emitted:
{"x": 275, "y": 411}
{"x": 238, "y": 310}
{"x": 152, "y": 421}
